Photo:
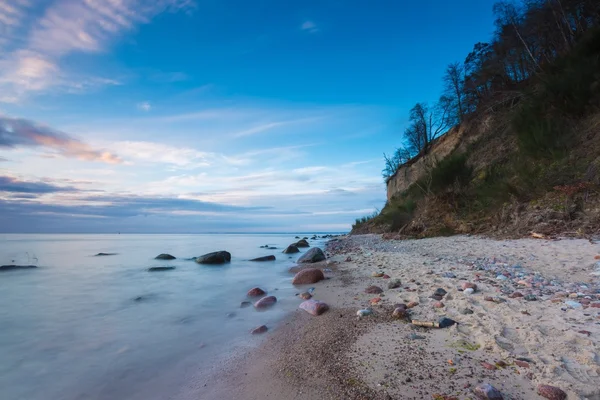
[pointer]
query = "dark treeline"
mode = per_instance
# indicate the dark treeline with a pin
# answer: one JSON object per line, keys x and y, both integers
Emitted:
{"x": 530, "y": 36}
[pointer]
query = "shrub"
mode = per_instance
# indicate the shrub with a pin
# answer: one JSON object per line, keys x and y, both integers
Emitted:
{"x": 450, "y": 171}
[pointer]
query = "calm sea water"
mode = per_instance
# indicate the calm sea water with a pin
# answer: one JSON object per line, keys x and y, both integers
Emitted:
{"x": 85, "y": 327}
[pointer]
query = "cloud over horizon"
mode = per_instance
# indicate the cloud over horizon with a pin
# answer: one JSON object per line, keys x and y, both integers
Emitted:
{"x": 18, "y": 132}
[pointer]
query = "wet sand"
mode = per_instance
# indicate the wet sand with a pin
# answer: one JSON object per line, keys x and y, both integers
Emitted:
{"x": 550, "y": 335}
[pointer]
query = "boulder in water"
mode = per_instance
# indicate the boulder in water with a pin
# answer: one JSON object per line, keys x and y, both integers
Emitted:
{"x": 308, "y": 276}
{"x": 291, "y": 249}
{"x": 256, "y": 292}
{"x": 314, "y": 307}
{"x": 105, "y": 254}
{"x": 265, "y": 302}
{"x": 217, "y": 257}
{"x": 13, "y": 267}
{"x": 164, "y": 256}
{"x": 302, "y": 243}
{"x": 260, "y": 330}
{"x": 312, "y": 256}
{"x": 155, "y": 269}
{"x": 265, "y": 258}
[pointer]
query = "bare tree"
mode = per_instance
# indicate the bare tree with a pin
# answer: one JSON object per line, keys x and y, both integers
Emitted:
{"x": 394, "y": 161}
{"x": 454, "y": 81}
{"x": 427, "y": 124}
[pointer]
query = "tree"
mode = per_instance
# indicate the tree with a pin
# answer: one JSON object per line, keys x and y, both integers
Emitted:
{"x": 454, "y": 82}
{"x": 427, "y": 125}
{"x": 394, "y": 161}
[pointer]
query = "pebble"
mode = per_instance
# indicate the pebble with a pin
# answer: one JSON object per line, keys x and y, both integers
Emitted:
{"x": 377, "y": 274}
{"x": 439, "y": 292}
{"x": 245, "y": 304}
{"x": 414, "y": 336}
{"x": 514, "y": 295}
{"x": 487, "y": 365}
{"x": 394, "y": 284}
{"x": 486, "y": 391}
{"x": 466, "y": 311}
{"x": 373, "y": 290}
{"x": 375, "y": 300}
{"x": 469, "y": 285}
{"x": 469, "y": 291}
{"x": 449, "y": 275}
{"x": 573, "y": 304}
{"x": 522, "y": 364}
{"x": 400, "y": 312}
{"x": 502, "y": 277}
{"x": 412, "y": 304}
{"x": 364, "y": 313}
{"x": 386, "y": 277}
{"x": 438, "y": 304}
{"x": 530, "y": 297}
{"x": 305, "y": 296}
{"x": 445, "y": 322}
{"x": 551, "y": 392}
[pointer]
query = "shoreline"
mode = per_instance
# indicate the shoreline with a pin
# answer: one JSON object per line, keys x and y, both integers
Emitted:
{"x": 507, "y": 341}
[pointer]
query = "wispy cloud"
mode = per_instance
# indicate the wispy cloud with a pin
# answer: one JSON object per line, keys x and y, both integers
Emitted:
{"x": 14, "y": 185}
{"x": 15, "y": 132}
{"x": 309, "y": 26}
{"x": 150, "y": 152}
{"x": 12, "y": 15}
{"x": 66, "y": 27}
{"x": 144, "y": 106}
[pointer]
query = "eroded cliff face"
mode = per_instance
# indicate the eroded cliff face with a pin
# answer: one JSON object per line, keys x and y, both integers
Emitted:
{"x": 457, "y": 139}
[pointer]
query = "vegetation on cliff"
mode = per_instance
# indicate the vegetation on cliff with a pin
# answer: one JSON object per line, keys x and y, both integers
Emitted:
{"x": 529, "y": 102}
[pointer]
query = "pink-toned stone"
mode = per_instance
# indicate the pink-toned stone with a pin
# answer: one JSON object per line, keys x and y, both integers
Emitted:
{"x": 469, "y": 285}
{"x": 438, "y": 304}
{"x": 551, "y": 392}
{"x": 522, "y": 364}
{"x": 412, "y": 304}
{"x": 265, "y": 302}
{"x": 489, "y": 366}
{"x": 314, "y": 307}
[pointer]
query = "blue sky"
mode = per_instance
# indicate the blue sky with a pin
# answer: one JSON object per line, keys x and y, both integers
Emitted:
{"x": 213, "y": 115}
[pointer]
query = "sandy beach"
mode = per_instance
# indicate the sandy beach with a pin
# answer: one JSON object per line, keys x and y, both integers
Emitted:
{"x": 534, "y": 319}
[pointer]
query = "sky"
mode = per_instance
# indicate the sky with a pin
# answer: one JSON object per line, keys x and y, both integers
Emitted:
{"x": 177, "y": 116}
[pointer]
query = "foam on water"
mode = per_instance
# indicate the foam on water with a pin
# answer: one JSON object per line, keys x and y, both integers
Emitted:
{"x": 86, "y": 327}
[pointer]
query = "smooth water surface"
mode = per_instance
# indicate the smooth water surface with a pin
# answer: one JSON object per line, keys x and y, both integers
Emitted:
{"x": 87, "y": 327}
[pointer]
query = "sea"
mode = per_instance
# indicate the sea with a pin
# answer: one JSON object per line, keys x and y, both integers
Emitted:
{"x": 82, "y": 326}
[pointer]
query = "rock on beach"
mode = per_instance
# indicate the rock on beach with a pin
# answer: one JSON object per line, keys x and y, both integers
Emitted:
{"x": 314, "y": 307}
{"x": 312, "y": 256}
{"x": 308, "y": 276}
